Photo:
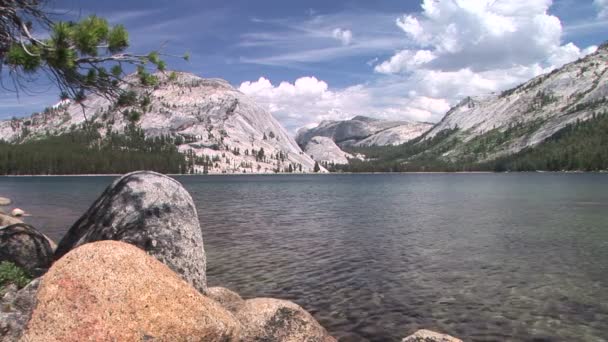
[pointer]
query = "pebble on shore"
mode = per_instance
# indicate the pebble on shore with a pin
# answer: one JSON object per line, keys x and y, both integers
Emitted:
{"x": 17, "y": 212}
{"x": 5, "y": 201}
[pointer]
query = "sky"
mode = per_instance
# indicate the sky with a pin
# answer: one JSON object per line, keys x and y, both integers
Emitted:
{"x": 308, "y": 61}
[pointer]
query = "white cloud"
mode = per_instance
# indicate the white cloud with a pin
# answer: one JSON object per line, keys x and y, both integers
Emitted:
{"x": 449, "y": 50}
{"x": 480, "y": 34}
{"x": 313, "y": 39}
{"x": 405, "y": 60}
{"x": 602, "y": 7}
{"x": 308, "y": 101}
{"x": 344, "y": 36}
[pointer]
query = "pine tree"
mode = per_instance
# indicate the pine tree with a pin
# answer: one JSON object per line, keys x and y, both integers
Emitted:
{"x": 317, "y": 168}
{"x": 80, "y": 57}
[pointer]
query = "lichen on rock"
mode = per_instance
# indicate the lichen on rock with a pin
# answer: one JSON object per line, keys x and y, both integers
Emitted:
{"x": 151, "y": 211}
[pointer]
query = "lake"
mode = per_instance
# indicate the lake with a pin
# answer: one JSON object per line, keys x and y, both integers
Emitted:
{"x": 484, "y": 257}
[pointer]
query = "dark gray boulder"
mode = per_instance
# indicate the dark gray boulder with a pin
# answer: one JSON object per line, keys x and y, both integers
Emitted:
{"x": 26, "y": 247}
{"x": 151, "y": 211}
{"x": 16, "y": 307}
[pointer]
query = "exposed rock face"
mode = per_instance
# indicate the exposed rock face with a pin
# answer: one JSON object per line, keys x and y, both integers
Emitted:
{"x": 265, "y": 319}
{"x": 26, "y": 247}
{"x": 396, "y": 135}
{"x": 323, "y": 149}
{"x": 16, "y": 310}
{"x": 6, "y": 220}
{"x": 113, "y": 291}
{"x": 5, "y": 201}
{"x": 364, "y": 131}
{"x": 539, "y": 108}
{"x": 151, "y": 211}
{"x": 424, "y": 335}
{"x": 214, "y": 119}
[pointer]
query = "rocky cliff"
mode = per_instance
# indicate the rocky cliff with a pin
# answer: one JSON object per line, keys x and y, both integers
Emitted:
{"x": 325, "y": 150}
{"x": 524, "y": 116}
{"x": 364, "y": 131}
{"x": 213, "y": 120}
{"x": 324, "y": 143}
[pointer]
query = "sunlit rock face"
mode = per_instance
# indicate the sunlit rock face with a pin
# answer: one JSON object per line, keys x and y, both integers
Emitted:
{"x": 534, "y": 110}
{"x": 364, "y": 131}
{"x": 325, "y": 150}
{"x": 213, "y": 118}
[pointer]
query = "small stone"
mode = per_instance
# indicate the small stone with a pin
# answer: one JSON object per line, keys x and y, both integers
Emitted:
{"x": 17, "y": 212}
{"x": 5, "y": 201}
{"x": 424, "y": 335}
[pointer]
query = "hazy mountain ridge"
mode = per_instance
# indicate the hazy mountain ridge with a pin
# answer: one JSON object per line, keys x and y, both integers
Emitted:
{"x": 214, "y": 120}
{"x": 326, "y": 141}
{"x": 364, "y": 131}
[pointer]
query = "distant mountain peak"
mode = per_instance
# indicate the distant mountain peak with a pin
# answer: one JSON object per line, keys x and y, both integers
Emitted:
{"x": 215, "y": 120}
{"x": 528, "y": 114}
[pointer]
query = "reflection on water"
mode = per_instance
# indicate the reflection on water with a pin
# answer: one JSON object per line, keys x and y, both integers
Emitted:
{"x": 519, "y": 257}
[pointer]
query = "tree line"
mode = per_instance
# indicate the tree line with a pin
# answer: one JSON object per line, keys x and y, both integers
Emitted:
{"x": 87, "y": 152}
{"x": 579, "y": 146}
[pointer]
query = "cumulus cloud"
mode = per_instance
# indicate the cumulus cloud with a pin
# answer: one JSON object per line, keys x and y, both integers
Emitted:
{"x": 450, "y": 49}
{"x": 405, "y": 60}
{"x": 602, "y": 7}
{"x": 308, "y": 101}
{"x": 344, "y": 36}
{"x": 481, "y": 35}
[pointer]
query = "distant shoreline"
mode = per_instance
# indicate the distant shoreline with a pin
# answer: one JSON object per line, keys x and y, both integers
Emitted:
{"x": 318, "y": 174}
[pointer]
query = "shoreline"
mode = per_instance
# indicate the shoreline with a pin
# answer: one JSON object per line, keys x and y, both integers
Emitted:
{"x": 317, "y": 174}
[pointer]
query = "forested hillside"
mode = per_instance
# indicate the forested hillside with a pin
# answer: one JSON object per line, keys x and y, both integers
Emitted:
{"x": 580, "y": 146}
{"x": 86, "y": 152}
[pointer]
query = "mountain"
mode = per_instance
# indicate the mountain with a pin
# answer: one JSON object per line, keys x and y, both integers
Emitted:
{"x": 556, "y": 121}
{"x": 502, "y": 124}
{"x": 325, "y": 151}
{"x": 364, "y": 131}
{"x": 218, "y": 128}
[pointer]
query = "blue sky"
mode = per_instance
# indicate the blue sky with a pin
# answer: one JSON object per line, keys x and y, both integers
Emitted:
{"x": 313, "y": 60}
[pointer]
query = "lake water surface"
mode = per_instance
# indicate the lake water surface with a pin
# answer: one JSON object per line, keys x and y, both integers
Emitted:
{"x": 485, "y": 257}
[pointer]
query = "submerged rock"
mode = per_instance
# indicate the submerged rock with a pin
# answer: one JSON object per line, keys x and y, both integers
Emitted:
{"x": 26, "y": 247}
{"x": 113, "y": 291}
{"x": 151, "y": 211}
{"x": 267, "y": 319}
{"x": 424, "y": 335}
{"x": 5, "y": 201}
{"x": 16, "y": 310}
